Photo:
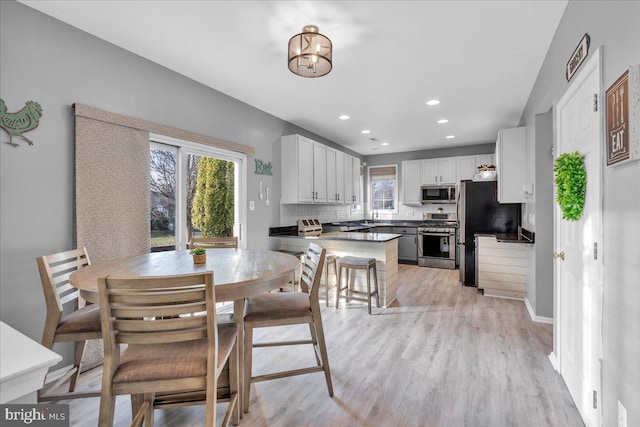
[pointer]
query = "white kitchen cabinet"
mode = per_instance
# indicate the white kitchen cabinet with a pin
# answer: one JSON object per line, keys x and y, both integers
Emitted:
{"x": 501, "y": 268}
{"x": 356, "y": 180}
{"x": 411, "y": 182}
{"x": 348, "y": 179}
{"x": 340, "y": 177}
{"x": 511, "y": 164}
{"x": 466, "y": 167}
{"x": 304, "y": 170}
{"x": 484, "y": 159}
{"x": 438, "y": 171}
{"x": 319, "y": 173}
{"x": 332, "y": 177}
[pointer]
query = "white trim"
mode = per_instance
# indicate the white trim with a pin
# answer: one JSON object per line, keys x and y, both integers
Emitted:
{"x": 502, "y": 297}
{"x": 554, "y": 361}
{"x": 534, "y": 317}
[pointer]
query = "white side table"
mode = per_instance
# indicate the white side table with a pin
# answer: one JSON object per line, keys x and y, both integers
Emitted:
{"x": 23, "y": 366}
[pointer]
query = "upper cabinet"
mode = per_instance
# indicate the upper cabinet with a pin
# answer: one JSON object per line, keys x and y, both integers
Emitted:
{"x": 356, "y": 181}
{"x": 511, "y": 163}
{"x": 411, "y": 182}
{"x": 438, "y": 171}
{"x": 468, "y": 165}
{"x": 315, "y": 173}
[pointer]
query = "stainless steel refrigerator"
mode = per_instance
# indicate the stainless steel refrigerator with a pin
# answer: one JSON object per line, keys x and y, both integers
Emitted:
{"x": 480, "y": 212}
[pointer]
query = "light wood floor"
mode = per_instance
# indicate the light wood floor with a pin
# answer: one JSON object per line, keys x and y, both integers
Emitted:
{"x": 442, "y": 355}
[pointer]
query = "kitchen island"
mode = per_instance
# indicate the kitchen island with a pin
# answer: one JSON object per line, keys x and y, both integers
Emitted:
{"x": 381, "y": 246}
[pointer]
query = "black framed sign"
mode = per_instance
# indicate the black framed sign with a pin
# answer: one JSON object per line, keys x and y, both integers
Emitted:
{"x": 578, "y": 56}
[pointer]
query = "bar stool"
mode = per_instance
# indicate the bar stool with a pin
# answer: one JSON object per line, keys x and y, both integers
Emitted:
{"x": 330, "y": 259}
{"x": 300, "y": 256}
{"x": 368, "y": 264}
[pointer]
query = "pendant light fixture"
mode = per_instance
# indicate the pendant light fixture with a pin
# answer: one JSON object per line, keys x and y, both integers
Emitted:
{"x": 310, "y": 53}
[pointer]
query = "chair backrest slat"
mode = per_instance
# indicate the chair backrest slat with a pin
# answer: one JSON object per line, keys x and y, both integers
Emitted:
{"x": 230, "y": 242}
{"x": 134, "y": 311}
{"x": 55, "y": 270}
{"x": 312, "y": 269}
{"x": 160, "y": 297}
{"x": 141, "y": 325}
{"x": 162, "y": 337}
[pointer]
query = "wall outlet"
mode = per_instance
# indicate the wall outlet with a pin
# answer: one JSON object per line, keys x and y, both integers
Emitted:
{"x": 252, "y": 205}
{"x": 409, "y": 213}
{"x": 622, "y": 415}
{"x": 532, "y": 219}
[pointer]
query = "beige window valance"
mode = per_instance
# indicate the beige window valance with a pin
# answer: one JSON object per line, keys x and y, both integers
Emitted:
{"x": 82, "y": 110}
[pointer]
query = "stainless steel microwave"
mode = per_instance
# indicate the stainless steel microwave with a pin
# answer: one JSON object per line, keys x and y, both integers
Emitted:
{"x": 438, "y": 194}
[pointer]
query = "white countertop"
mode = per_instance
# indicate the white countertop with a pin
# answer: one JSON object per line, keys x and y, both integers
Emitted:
{"x": 23, "y": 364}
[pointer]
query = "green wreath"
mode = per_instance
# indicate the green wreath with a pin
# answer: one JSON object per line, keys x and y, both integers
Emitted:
{"x": 571, "y": 183}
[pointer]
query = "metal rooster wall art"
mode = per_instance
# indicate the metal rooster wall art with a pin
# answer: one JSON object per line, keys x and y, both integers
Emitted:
{"x": 15, "y": 124}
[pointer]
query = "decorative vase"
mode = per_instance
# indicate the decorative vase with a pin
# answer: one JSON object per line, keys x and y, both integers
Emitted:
{"x": 200, "y": 259}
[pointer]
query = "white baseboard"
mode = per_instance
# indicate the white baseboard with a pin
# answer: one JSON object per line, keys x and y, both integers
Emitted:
{"x": 539, "y": 319}
{"x": 554, "y": 360}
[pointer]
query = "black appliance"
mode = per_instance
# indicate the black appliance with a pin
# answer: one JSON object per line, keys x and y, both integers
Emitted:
{"x": 480, "y": 212}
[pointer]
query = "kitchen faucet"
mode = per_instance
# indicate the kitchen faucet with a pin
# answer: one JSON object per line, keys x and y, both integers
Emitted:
{"x": 374, "y": 215}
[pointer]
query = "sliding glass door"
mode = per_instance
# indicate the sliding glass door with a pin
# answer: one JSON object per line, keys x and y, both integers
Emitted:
{"x": 196, "y": 190}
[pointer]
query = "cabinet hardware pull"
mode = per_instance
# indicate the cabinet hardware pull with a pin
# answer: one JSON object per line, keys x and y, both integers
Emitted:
{"x": 559, "y": 255}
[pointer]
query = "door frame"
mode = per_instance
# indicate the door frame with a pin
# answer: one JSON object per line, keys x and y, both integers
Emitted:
{"x": 594, "y": 64}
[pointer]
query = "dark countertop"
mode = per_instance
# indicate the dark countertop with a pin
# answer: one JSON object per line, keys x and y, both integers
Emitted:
{"x": 338, "y": 235}
{"x": 523, "y": 236}
{"x": 366, "y": 223}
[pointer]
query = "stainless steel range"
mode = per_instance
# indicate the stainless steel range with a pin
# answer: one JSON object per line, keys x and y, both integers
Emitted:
{"x": 437, "y": 240}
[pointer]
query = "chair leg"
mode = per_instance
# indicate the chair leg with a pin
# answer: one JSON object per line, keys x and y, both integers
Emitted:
{"x": 248, "y": 350}
{"x": 375, "y": 281}
{"x": 211, "y": 400}
{"x": 326, "y": 284}
{"x": 369, "y": 290}
{"x": 136, "y": 403}
{"x": 317, "y": 321}
{"x": 77, "y": 360}
{"x": 234, "y": 382}
{"x": 338, "y": 286}
{"x": 314, "y": 339}
{"x": 149, "y": 415}
{"x": 107, "y": 409}
{"x": 348, "y": 274}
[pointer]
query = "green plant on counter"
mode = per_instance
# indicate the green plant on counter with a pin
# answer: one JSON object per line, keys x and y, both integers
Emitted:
{"x": 571, "y": 184}
{"x": 198, "y": 251}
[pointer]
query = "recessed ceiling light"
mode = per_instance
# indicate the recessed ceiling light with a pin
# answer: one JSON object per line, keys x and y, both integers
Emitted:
{"x": 385, "y": 143}
{"x": 441, "y": 121}
{"x": 450, "y": 136}
{"x": 366, "y": 131}
{"x": 344, "y": 117}
{"x": 433, "y": 102}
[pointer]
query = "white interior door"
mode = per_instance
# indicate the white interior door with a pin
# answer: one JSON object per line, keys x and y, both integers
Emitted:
{"x": 578, "y": 274}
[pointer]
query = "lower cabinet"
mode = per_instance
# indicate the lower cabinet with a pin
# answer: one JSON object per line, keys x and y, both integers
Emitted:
{"x": 501, "y": 268}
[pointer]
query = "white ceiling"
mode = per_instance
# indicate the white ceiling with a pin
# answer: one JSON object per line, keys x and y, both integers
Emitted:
{"x": 479, "y": 58}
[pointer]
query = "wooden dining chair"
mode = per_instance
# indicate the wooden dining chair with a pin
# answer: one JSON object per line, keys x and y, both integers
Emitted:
{"x": 80, "y": 322}
{"x": 176, "y": 349}
{"x": 230, "y": 242}
{"x": 291, "y": 308}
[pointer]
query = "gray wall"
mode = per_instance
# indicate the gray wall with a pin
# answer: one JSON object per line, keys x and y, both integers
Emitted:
{"x": 57, "y": 65}
{"x": 615, "y": 25}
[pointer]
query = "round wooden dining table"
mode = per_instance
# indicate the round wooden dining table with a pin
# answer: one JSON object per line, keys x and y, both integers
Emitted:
{"x": 237, "y": 274}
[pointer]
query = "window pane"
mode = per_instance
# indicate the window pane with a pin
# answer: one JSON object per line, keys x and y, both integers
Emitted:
{"x": 211, "y": 197}
{"x": 163, "y": 200}
{"x": 388, "y": 204}
{"x": 377, "y": 204}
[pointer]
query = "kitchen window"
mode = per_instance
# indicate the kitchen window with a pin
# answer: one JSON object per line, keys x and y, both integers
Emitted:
{"x": 383, "y": 184}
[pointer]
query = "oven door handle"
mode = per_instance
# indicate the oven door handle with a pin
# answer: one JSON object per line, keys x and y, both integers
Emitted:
{"x": 437, "y": 234}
